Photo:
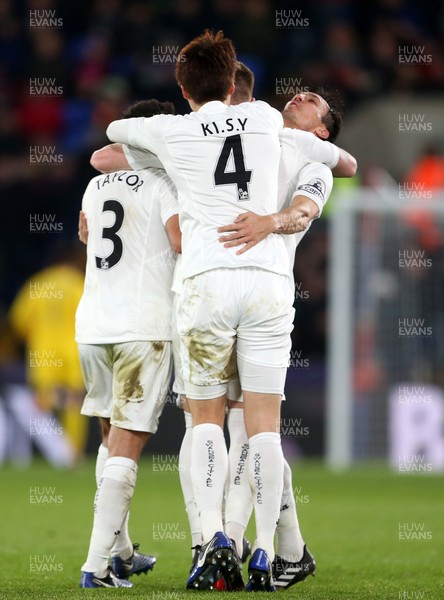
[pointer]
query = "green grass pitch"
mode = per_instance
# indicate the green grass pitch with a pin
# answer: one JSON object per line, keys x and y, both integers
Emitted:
{"x": 351, "y": 521}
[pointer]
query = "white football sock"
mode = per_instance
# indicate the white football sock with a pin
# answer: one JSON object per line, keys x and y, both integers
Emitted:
{"x": 102, "y": 457}
{"x": 209, "y": 467}
{"x": 186, "y": 484}
{"x": 266, "y": 471}
{"x": 123, "y": 546}
{"x": 238, "y": 496}
{"x": 290, "y": 544}
{"x": 111, "y": 505}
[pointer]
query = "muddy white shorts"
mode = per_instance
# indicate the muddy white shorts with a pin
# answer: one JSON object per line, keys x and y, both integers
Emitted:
{"x": 178, "y": 385}
{"x": 127, "y": 382}
{"x": 235, "y": 320}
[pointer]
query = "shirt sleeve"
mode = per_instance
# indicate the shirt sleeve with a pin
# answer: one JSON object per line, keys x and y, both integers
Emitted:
{"x": 118, "y": 131}
{"x": 274, "y": 115}
{"x": 141, "y": 159}
{"x": 169, "y": 205}
{"x": 315, "y": 181}
{"x": 140, "y": 132}
{"x": 310, "y": 146}
{"x": 88, "y": 194}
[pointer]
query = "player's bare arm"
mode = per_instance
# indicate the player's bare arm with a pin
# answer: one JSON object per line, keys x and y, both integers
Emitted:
{"x": 249, "y": 229}
{"x": 347, "y": 165}
{"x": 83, "y": 228}
{"x": 110, "y": 158}
{"x": 174, "y": 234}
{"x": 120, "y": 157}
{"x": 296, "y": 217}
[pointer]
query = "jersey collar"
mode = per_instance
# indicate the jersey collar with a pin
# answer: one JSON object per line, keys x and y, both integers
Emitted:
{"x": 213, "y": 106}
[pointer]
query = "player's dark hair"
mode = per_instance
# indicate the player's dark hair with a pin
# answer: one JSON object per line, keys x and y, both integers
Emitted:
{"x": 148, "y": 108}
{"x": 206, "y": 67}
{"x": 334, "y": 118}
{"x": 243, "y": 83}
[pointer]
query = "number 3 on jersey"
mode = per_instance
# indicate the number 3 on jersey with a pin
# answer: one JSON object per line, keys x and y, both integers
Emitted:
{"x": 240, "y": 176}
{"x": 110, "y": 233}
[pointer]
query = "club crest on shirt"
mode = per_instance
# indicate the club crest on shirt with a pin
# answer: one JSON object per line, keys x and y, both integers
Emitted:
{"x": 315, "y": 187}
{"x": 243, "y": 194}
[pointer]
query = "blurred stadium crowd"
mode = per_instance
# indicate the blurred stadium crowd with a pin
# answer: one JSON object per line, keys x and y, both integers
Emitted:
{"x": 64, "y": 78}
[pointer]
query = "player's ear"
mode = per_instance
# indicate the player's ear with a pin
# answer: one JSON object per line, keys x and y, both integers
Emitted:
{"x": 231, "y": 90}
{"x": 185, "y": 94}
{"x": 322, "y": 133}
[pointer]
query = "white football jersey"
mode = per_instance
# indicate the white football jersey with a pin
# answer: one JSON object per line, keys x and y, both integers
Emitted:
{"x": 130, "y": 263}
{"x": 224, "y": 161}
{"x": 141, "y": 159}
{"x": 302, "y": 142}
{"x": 304, "y": 168}
{"x": 307, "y": 144}
{"x": 298, "y": 175}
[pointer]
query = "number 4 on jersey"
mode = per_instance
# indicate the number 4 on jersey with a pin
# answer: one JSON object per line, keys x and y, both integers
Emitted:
{"x": 240, "y": 176}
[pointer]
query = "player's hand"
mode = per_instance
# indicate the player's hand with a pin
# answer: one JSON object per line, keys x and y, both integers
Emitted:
{"x": 83, "y": 227}
{"x": 248, "y": 230}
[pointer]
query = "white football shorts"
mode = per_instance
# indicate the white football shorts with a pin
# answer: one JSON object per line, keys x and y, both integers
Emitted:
{"x": 235, "y": 320}
{"x": 178, "y": 385}
{"x": 126, "y": 383}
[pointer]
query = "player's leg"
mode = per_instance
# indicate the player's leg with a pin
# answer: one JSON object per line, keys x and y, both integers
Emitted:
{"x": 97, "y": 368}
{"x": 123, "y": 541}
{"x": 125, "y": 448}
{"x": 293, "y": 561}
{"x": 238, "y": 494}
{"x": 187, "y": 484}
{"x": 148, "y": 375}
{"x": 266, "y": 463}
{"x": 263, "y": 347}
{"x": 209, "y": 462}
{"x": 97, "y": 373}
{"x": 113, "y": 498}
{"x": 206, "y": 354}
{"x": 141, "y": 375}
{"x": 126, "y": 444}
{"x": 102, "y": 452}
{"x": 288, "y": 534}
{"x": 218, "y": 558}
{"x": 185, "y": 448}
{"x": 208, "y": 362}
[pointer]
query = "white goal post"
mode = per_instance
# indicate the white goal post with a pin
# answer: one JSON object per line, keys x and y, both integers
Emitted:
{"x": 386, "y": 332}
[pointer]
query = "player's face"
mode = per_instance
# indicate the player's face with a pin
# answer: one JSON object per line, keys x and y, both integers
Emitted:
{"x": 305, "y": 111}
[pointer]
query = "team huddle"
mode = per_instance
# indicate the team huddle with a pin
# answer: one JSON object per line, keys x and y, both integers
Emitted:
{"x": 191, "y": 233}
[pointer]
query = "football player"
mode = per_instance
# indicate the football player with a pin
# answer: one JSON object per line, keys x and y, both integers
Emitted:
{"x": 123, "y": 331}
{"x": 305, "y": 207}
{"x": 220, "y": 157}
